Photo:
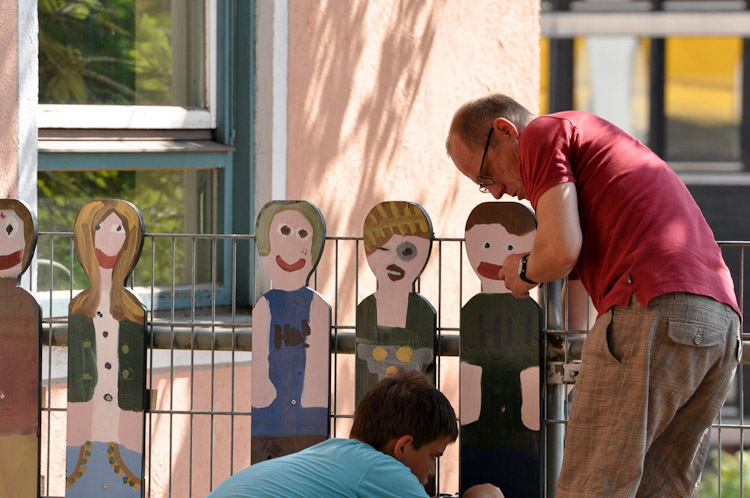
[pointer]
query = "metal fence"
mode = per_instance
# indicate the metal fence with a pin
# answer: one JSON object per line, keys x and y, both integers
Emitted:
{"x": 198, "y": 425}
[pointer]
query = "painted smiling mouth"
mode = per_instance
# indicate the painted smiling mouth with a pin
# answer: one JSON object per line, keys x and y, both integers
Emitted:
{"x": 395, "y": 273}
{"x": 298, "y": 265}
{"x": 105, "y": 260}
{"x": 488, "y": 270}
{"x": 11, "y": 260}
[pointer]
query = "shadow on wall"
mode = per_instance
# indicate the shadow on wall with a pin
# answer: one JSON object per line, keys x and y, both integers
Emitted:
{"x": 8, "y": 110}
{"x": 335, "y": 53}
{"x": 336, "y": 112}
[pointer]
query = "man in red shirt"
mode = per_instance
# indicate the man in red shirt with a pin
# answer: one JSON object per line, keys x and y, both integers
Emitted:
{"x": 657, "y": 365}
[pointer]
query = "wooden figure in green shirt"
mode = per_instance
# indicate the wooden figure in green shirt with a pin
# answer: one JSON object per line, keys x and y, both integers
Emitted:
{"x": 20, "y": 355}
{"x": 500, "y": 359}
{"x": 106, "y": 357}
{"x": 395, "y": 326}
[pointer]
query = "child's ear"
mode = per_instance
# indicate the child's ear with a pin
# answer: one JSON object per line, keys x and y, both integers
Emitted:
{"x": 400, "y": 446}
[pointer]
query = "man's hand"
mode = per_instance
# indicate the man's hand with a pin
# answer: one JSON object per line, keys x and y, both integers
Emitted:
{"x": 509, "y": 273}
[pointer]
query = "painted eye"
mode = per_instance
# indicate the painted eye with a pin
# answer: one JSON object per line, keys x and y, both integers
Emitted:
{"x": 302, "y": 233}
{"x": 11, "y": 226}
{"x": 486, "y": 246}
{"x": 97, "y": 227}
{"x": 116, "y": 228}
{"x": 510, "y": 247}
{"x": 406, "y": 251}
{"x": 285, "y": 230}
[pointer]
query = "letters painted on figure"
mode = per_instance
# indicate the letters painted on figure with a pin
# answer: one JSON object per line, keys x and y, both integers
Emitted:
{"x": 20, "y": 360}
{"x": 291, "y": 335}
{"x": 499, "y": 359}
{"x": 106, "y": 357}
{"x": 395, "y": 326}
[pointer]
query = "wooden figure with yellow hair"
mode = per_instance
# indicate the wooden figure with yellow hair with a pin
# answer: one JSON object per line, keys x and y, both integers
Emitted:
{"x": 395, "y": 326}
{"x": 106, "y": 357}
{"x": 20, "y": 356}
{"x": 500, "y": 356}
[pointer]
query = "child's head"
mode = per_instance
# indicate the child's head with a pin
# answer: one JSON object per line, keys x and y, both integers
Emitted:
{"x": 400, "y": 404}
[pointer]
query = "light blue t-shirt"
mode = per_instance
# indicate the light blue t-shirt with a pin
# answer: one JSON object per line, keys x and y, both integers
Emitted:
{"x": 333, "y": 468}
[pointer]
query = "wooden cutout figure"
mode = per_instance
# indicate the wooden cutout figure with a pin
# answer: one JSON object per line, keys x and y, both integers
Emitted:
{"x": 20, "y": 356}
{"x": 291, "y": 364}
{"x": 500, "y": 356}
{"x": 395, "y": 326}
{"x": 106, "y": 357}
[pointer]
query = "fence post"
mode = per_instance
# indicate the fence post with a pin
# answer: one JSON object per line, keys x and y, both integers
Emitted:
{"x": 555, "y": 431}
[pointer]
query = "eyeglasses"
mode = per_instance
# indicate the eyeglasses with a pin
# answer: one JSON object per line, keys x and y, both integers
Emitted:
{"x": 485, "y": 181}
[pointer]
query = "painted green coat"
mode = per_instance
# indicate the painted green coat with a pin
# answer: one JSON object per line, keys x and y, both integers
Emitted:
{"x": 82, "y": 370}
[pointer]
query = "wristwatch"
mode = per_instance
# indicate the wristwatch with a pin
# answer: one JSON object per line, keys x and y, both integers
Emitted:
{"x": 522, "y": 270}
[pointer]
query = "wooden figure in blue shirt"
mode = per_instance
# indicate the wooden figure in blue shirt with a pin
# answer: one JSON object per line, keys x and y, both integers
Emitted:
{"x": 106, "y": 357}
{"x": 500, "y": 359}
{"x": 20, "y": 355}
{"x": 290, "y": 388}
{"x": 395, "y": 326}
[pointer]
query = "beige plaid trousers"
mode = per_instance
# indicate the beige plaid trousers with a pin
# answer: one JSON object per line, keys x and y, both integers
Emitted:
{"x": 652, "y": 381}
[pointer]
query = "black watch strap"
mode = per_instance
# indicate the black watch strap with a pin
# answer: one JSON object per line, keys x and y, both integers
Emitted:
{"x": 522, "y": 270}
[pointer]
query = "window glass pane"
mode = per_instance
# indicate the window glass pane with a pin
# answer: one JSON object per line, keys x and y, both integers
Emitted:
{"x": 131, "y": 52}
{"x": 171, "y": 201}
{"x": 611, "y": 79}
{"x": 703, "y": 92}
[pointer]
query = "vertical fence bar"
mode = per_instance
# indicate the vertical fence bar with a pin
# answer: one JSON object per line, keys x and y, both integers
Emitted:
{"x": 171, "y": 361}
{"x": 192, "y": 361}
{"x": 555, "y": 431}
{"x": 234, "y": 342}
{"x": 213, "y": 362}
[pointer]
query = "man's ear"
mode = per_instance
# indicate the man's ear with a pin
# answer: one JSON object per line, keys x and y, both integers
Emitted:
{"x": 505, "y": 127}
{"x": 400, "y": 446}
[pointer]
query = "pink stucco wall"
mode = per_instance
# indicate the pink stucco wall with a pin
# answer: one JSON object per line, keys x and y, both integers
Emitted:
{"x": 373, "y": 85}
{"x": 9, "y": 100}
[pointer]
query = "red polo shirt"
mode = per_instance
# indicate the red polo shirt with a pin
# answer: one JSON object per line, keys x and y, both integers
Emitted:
{"x": 642, "y": 231}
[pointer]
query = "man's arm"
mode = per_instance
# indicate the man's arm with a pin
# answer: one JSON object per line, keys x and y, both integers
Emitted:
{"x": 557, "y": 244}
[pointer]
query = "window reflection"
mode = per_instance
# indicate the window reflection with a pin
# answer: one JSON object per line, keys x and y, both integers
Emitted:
{"x": 128, "y": 52}
{"x": 171, "y": 201}
{"x": 703, "y": 99}
{"x": 611, "y": 79}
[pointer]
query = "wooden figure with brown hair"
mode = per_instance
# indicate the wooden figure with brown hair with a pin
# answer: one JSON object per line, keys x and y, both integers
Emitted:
{"x": 500, "y": 358}
{"x": 106, "y": 357}
{"x": 291, "y": 363}
{"x": 20, "y": 356}
{"x": 395, "y": 326}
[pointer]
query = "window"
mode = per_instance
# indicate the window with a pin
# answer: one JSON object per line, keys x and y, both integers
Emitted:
{"x": 703, "y": 95}
{"x": 669, "y": 72}
{"x": 127, "y": 93}
{"x": 106, "y": 56}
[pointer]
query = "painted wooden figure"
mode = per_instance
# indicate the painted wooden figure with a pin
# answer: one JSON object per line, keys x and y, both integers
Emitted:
{"x": 20, "y": 356}
{"x": 500, "y": 356}
{"x": 291, "y": 335}
{"x": 395, "y": 326}
{"x": 106, "y": 357}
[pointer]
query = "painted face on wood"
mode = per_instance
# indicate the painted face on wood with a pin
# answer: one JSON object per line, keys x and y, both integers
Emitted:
{"x": 109, "y": 237}
{"x": 397, "y": 240}
{"x": 289, "y": 261}
{"x": 399, "y": 261}
{"x": 494, "y": 231}
{"x": 12, "y": 243}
